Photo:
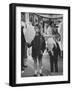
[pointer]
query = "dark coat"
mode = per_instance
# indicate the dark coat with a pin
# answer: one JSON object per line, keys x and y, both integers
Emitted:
{"x": 23, "y": 51}
{"x": 54, "y": 57}
{"x": 38, "y": 46}
{"x": 23, "y": 44}
{"x": 56, "y": 50}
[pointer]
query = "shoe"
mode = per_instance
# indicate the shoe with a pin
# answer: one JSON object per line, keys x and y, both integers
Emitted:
{"x": 25, "y": 66}
{"x": 51, "y": 70}
{"x": 35, "y": 75}
{"x": 22, "y": 71}
{"x": 56, "y": 71}
{"x": 41, "y": 74}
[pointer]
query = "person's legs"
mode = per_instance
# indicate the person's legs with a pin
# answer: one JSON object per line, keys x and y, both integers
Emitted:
{"x": 22, "y": 64}
{"x": 35, "y": 66}
{"x": 51, "y": 63}
{"x": 40, "y": 65}
{"x": 22, "y": 59}
{"x": 56, "y": 64}
{"x": 25, "y": 55}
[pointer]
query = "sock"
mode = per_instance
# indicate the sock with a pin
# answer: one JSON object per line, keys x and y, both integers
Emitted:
{"x": 41, "y": 67}
{"x": 35, "y": 71}
{"x": 40, "y": 71}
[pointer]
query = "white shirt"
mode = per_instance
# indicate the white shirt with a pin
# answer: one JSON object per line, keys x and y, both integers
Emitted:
{"x": 49, "y": 31}
{"x": 50, "y": 44}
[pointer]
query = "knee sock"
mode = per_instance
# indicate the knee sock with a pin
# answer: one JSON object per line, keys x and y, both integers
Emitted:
{"x": 40, "y": 71}
{"x": 35, "y": 71}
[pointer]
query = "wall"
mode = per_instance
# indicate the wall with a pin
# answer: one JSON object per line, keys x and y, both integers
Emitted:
{"x": 4, "y": 44}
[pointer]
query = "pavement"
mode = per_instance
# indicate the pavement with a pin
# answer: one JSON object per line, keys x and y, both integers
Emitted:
{"x": 29, "y": 71}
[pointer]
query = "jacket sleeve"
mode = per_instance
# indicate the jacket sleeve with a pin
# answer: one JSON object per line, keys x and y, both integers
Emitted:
{"x": 29, "y": 44}
{"x": 43, "y": 45}
{"x": 58, "y": 48}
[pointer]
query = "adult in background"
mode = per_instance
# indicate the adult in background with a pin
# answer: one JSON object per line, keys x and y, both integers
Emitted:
{"x": 23, "y": 49}
{"x": 53, "y": 47}
{"x": 54, "y": 51}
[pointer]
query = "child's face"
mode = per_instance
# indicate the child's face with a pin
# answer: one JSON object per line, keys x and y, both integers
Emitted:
{"x": 36, "y": 29}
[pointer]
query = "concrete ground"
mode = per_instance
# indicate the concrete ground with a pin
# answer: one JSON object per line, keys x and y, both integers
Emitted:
{"x": 29, "y": 71}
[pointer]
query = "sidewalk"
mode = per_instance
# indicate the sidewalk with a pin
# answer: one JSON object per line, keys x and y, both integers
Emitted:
{"x": 29, "y": 71}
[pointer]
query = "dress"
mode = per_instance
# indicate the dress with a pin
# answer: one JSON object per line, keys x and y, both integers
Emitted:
{"x": 38, "y": 47}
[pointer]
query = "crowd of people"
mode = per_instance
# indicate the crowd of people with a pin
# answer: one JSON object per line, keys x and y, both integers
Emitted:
{"x": 40, "y": 42}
